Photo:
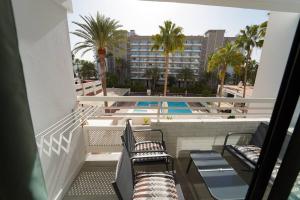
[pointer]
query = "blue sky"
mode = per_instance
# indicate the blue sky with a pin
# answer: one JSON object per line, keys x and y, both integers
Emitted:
{"x": 145, "y": 16}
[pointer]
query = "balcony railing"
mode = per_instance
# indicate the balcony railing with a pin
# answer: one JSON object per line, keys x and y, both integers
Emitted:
{"x": 90, "y": 88}
{"x": 58, "y": 137}
{"x": 194, "y": 107}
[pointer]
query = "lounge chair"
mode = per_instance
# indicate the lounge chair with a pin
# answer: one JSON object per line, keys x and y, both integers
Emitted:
{"x": 129, "y": 185}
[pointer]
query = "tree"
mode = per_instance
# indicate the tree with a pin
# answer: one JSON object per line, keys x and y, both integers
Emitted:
{"x": 172, "y": 81}
{"x": 186, "y": 74}
{"x": 153, "y": 74}
{"x": 251, "y": 71}
{"x": 98, "y": 34}
{"x": 87, "y": 70}
{"x": 121, "y": 66}
{"x": 170, "y": 39}
{"x": 112, "y": 79}
{"x": 249, "y": 38}
{"x": 77, "y": 62}
{"x": 228, "y": 56}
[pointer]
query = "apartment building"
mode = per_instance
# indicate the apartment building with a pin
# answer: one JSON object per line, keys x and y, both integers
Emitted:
{"x": 195, "y": 54}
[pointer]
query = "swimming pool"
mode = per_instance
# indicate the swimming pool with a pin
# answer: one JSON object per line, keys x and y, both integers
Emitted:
{"x": 181, "y": 105}
{"x": 170, "y": 104}
{"x": 147, "y": 103}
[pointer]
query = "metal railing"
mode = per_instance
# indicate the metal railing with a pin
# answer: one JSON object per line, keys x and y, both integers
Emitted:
{"x": 58, "y": 137}
{"x": 193, "y": 107}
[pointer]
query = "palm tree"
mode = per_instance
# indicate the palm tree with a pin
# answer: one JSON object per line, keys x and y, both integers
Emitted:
{"x": 262, "y": 30}
{"x": 228, "y": 56}
{"x": 169, "y": 39}
{"x": 251, "y": 37}
{"x": 252, "y": 71}
{"x": 98, "y": 34}
{"x": 186, "y": 74}
{"x": 153, "y": 74}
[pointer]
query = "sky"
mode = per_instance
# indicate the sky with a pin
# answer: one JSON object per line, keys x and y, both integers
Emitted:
{"x": 145, "y": 16}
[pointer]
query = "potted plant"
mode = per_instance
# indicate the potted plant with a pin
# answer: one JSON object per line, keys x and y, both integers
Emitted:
{"x": 146, "y": 121}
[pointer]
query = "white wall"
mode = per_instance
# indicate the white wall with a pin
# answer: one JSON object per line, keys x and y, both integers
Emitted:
{"x": 46, "y": 55}
{"x": 45, "y": 51}
{"x": 278, "y": 41}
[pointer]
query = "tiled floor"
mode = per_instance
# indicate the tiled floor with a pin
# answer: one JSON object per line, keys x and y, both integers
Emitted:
{"x": 94, "y": 181}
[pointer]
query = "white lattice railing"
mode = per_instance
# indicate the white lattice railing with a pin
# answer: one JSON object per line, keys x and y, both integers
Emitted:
{"x": 58, "y": 137}
{"x": 102, "y": 138}
{"x": 99, "y": 139}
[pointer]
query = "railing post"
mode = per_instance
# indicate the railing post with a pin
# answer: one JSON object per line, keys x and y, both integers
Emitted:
{"x": 83, "y": 89}
{"x": 94, "y": 87}
{"x": 158, "y": 111}
{"x": 85, "y": 131}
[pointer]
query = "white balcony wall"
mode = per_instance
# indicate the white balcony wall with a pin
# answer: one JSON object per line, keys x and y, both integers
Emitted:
{"x": 278, "y": 41}
{"x": 46, "y": 56}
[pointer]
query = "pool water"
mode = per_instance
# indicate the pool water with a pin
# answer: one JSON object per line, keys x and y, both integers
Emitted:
{"x": 147, "y": 103}
{"x": 178, "y": 104}
{"x": 170, "y": 104}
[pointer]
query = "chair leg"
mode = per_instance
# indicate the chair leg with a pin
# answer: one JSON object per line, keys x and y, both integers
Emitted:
{"x": 189, "y": 166}
{"x": 167, "y": 164}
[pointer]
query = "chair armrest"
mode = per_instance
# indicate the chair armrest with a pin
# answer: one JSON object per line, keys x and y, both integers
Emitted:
{"x": 230, "y": 134}
{"x": 151, "y": 130}
{"x": 147, "y": 151}
{"x": 167, "y": 156}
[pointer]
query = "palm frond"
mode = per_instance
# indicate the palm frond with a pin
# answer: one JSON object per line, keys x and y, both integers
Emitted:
{"x": 97, "y": 32}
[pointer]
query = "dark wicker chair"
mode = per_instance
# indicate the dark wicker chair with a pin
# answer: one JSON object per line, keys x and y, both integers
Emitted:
{"x": 129, "y": 185}
{"x": 248, "y": 153}
{"x": 145, "y": 151}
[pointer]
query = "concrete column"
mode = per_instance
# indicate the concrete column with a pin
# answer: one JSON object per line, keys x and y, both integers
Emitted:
{"x": 279, "y": 37}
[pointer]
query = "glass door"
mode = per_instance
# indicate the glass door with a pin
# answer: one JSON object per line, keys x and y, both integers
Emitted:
{"x": 275, "y": 175}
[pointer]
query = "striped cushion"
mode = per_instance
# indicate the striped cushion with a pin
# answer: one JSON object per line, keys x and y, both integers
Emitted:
{"x": 154, "y": 186}
{"x": 251, "y": 152}
{"x": 149, "y": 146}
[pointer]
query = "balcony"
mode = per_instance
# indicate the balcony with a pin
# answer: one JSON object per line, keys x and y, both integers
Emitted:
{"x": 192, "y": 124}
{"x": 78, "y": 161}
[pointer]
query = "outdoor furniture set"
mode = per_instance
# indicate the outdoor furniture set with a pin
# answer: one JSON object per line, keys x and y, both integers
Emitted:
{"x": 221, "y": 180}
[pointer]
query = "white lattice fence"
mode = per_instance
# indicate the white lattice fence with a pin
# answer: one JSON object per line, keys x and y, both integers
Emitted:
{"x": 100, "y": 139}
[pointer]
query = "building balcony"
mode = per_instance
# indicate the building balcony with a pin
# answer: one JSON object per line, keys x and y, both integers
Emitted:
{"x": 150, "y": 44}
{"x": 192, "y": 123}
{"x": 149, "y": 50}
{"x": 160, "y": 56}
{"x": 162, "y": 62}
